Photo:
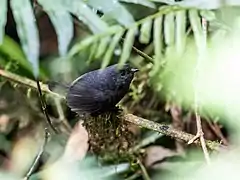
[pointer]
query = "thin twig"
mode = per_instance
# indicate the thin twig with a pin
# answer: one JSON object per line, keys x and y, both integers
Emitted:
{"x": 201, "y": 137}
{"x": 37, "y": 158}
{"x": 44, "y": 108}
{"x": 61, "y": 115}
{"x": 134, "y": 176}
{"x": 162, "y": 128}
{"x": 201, "y": 56}
{"x": 144, "y": 171}
{"x": 140, "y": 53}
{"x": 198, "y": 118}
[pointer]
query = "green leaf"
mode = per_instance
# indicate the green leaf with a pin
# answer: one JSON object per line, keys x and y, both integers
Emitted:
{"x": 62, "y": 21}
{"x": 158, "y": 38}
{"x": 146, "y": 3}
{"x": 169, "y": 28}
{"x": 85, "y": 14}
{"x": 113, "y": 10}
{"x": 157, "y": 35}
{"x": 145, "y": 32}
{"x": 63, "y": 24}
{"x": 14, "y": 51}
{"x": 127, "y": 46}
{"x": 10, "y": 48}
{"x": 82, "y": 45}
{"x": 27, "y": 31}
{"x": 93, "y": 50}
{"x": 102, "y": 47}
{"x": 3, "y": 18}
{"x": 109, "y": 53}
{"x": 169, "y": 32}
{"x": 180, "y": 31}
{"x": 88, "y": 41}
{"x": 195, "y": 21}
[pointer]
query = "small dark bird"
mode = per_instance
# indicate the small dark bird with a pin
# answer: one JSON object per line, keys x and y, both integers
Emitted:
{"x": 98, "y": 91}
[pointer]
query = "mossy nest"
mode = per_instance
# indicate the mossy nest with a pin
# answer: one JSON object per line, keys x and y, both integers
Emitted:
{"x": 110, "y": 137}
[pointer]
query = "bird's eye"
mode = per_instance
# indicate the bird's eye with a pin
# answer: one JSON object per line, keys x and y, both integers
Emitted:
{"x": 123, "y": 73}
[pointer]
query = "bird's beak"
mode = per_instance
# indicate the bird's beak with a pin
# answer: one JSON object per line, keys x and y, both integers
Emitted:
{"x": 134, "y": 70}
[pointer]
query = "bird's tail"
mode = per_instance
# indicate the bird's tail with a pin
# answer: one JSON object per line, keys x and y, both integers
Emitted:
{"x": 57, "y": 87}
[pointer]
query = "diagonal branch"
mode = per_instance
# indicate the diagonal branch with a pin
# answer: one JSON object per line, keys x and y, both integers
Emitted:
{"x": 44, "y": 108}
{"x": 38, "y": 156}
{"x": 27, "y": 82}
{"x": 161, "y": 128}
{"x": 169, "y": 131}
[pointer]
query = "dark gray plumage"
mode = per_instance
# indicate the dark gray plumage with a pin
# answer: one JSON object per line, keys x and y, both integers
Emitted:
{"x": 99, "y": 91}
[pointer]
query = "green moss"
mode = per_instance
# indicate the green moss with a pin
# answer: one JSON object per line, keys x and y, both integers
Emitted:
{"x": 109, "y": 137}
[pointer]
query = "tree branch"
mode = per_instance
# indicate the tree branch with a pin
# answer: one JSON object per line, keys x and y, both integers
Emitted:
{"x": 37, "y": 158}
{"x": 161, "y": 128}
{"x": 27, "y": 82}
{"x": 169, "y": 131}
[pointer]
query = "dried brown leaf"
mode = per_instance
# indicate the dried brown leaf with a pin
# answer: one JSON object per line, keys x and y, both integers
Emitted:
{"x": 77, "y": 145}
{"x": 22, "y": 155}
{"x": 157, "y": 153}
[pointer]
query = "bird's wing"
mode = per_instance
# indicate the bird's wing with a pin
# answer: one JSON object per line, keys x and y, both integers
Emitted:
{"x": 91, "y": 92}
{"x": 84, "y": 101}
{"x": 82, "y": 97}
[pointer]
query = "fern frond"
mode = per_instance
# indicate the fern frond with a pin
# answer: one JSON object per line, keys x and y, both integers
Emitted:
{"x": 110, "y": 50}
{"x": 169, "y": 34}
{"x": 168, "y": 26}
{"x": 158, "y": 36}
{"x": 27, "y": 31}
{"x": 113, "y": 9}
{"x": 97, "y": 37}
{"x": 103, "y": 44}
{"x": 169, "y": 31}
{"x": 196, "y": 26}
{"x": 145, "y": 34}
{"x": 180, "y": 32}
{"x": 60, "y": 19}
{"x": 127, "y": 46}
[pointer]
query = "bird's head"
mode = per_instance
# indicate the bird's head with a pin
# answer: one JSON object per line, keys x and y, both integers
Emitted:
{"x": 126, "y": 74}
